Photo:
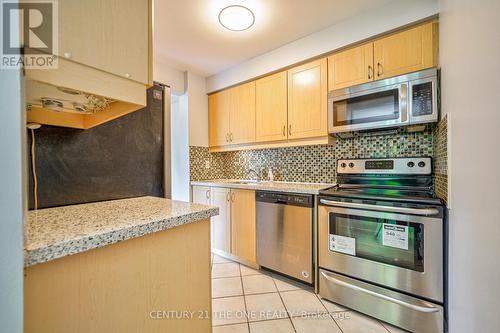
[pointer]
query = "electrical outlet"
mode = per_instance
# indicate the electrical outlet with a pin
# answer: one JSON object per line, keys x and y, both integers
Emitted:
{"x": 207, "y": 164}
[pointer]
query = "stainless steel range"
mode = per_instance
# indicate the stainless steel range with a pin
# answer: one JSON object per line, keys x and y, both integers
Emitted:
{"x": 381, "y": 242}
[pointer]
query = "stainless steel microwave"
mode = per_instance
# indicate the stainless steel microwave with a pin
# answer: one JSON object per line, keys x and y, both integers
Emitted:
{"x": 398, "y": 101}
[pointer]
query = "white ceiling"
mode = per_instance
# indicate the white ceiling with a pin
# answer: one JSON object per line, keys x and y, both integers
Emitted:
{"x": 188, "y": 35}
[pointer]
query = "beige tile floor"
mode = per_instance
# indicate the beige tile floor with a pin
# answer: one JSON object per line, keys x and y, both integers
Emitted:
{"x": 245, "y": 300}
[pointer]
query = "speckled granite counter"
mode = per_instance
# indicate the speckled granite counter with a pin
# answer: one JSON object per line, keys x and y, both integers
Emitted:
{"x": 61, "y": 231}
{"x": 288, "y": 187}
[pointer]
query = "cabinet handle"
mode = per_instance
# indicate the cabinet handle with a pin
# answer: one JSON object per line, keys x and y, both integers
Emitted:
{"x": 370, "y": 72}
{"x": 67, "y": 55}
{"x": 380, "y": 69}
{"x": 284, "y": 130}
{"x": 127, "y": 75}
{"x": 289, "y": 130}
{"x": 232, "y": 196}
{"x": 227, "y": 137}
{"x": 231, "y": 137}
{"x": 228, "y": 197}
{"x": 208, "y": 194}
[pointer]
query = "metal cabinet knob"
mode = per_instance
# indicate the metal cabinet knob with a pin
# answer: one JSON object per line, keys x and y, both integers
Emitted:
{"x": 370, "y": 72}
{"x": 127, "y": 75}
{"x": 67, "y": 55}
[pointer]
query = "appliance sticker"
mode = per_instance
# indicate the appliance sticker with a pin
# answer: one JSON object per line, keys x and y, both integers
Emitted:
{"x": 395, "y": 236}
{"x": 343, "y": 244}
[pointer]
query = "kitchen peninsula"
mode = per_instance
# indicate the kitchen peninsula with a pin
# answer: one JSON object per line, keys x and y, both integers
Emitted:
{"x": 111, "y": 266}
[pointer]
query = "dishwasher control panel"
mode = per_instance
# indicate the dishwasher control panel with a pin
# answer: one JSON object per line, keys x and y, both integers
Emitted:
{"x": 303, "y": 200}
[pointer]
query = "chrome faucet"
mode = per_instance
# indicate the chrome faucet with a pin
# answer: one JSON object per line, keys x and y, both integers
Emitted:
{"x": 254, "y": 172}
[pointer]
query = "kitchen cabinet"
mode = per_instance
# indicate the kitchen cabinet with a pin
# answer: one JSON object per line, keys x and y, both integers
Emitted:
{"x": 243, "y": 224}
{"x": 218, "y": 118}
{"x": 201, "y": 195}
{"x": 271, "y": 109}
{"x": 233, "y": 230}
{"x": 399, "y": 53}
{"x": 231, "y": 115}
{"x": 104, "y": 59}
{"x": 242, "y": 114}
{"x": 110, "y": 35}
{"x": 350, "y": 67}
{"x": 307, "y": 100}
{"x": 406, "y": 51}
{"x": 221, "y": 224}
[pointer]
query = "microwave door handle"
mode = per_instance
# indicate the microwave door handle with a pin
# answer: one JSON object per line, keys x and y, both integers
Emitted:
{"x": 391, "y": 209}
{"x": 403, "y": 102}
{"x": 419, "y": 308}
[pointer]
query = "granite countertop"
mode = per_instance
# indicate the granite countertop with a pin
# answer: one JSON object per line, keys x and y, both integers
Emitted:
{"x": 288, "y": 187}
{"x": 53, "y": 233}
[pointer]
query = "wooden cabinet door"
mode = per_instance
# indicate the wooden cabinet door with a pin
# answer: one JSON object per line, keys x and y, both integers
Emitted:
{"x": 242, "y": 113}
{"x": 407, "y": 51}
{"x": 350, "y": 67}
{"x": 271, "y": 108}
{"x": 110, "y": 35}
{"x": 243, "y": 224}
{"x": 218, "y": 118}
{"x": 221, "y": 224}
{"x": 307, "y": 100}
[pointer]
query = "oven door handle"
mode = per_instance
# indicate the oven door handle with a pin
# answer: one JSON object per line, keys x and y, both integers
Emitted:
{"x": 391, "y": 209}
{"x": 425, "y": 309}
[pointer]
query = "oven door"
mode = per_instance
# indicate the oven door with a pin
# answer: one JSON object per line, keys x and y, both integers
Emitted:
{"x": 381, "y": 107}
{"x": 396, "y": 247}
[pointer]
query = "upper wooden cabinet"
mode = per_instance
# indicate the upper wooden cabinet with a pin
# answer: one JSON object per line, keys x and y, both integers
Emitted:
{"x": 350, "y": 67}
{"x": 231, "y": 116}
{"x": 402, "y": 52}
{"x": 218, "y": 118}
{"x": 271, "y": 108}
{"x": 242, "y": 114}
{"x": 407, "y": 51}
{"x": 307, "y": 100}
{"x": 110, "y": 35}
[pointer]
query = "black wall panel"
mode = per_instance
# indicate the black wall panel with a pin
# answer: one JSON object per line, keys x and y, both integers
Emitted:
{"x": 119, "y": 159}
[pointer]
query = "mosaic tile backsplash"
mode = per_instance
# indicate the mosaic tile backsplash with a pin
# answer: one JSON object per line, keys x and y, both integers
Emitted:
{"x": 441, "y": 159}
{"x": 318, "y": 163}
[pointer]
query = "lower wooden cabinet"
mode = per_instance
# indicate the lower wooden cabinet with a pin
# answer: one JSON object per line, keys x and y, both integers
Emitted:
{"x": 233, "y": 230}
{"x": 243, "y": 224}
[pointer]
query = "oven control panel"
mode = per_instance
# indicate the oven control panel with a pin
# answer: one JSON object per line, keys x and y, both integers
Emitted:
{"x": 410, "y": 166}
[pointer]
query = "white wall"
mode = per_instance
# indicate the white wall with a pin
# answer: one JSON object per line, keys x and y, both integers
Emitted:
{"x": 198, "y": 110}
{"x": 470, "y": 60}
{"x": 395, "y": 14}
{"x": 164, "y": 73}
{"x": 12, "y": 202}
{"x": 180, "y": 147}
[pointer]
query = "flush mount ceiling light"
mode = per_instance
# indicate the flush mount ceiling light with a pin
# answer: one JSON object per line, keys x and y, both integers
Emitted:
{"x": 236, "y": 18}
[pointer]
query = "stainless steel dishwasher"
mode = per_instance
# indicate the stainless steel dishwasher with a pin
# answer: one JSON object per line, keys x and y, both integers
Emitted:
{"x": 284, "y": 233}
